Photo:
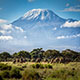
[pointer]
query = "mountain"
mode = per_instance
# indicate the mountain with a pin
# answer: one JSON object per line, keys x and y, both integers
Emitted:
{"x": 42, "y": 28}
{"x": 37, "y": 16}
{"x": 40, "y": 15}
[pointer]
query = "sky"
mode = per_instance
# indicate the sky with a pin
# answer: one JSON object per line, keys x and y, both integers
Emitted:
{"x": 11, "y": 10}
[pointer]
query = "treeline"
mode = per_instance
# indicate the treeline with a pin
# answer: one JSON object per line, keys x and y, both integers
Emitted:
{"x": 38, "y": 55}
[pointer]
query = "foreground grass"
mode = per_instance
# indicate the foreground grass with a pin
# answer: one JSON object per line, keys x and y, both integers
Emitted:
{"x": 42, "y": 71}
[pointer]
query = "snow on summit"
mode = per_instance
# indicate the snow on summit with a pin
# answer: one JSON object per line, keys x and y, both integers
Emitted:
{"x": 38, "y": 15}
{"x": 41, "y": 14}
{"x": 35, "y": 13}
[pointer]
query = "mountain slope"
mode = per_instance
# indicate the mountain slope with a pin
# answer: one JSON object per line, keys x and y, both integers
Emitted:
{"x": 37, "y": 16}
{"x": 42, "y": 28}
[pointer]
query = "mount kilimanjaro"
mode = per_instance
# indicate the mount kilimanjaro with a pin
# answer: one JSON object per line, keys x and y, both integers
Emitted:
{"x": 43, "y": 28}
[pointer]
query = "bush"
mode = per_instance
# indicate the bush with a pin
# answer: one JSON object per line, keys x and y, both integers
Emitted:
{"x": 31, "y": 75}
{"x": 5, "y": 74}
{"x": 38, "y": 66}
{"x": 24, "y": 66}
{"x": 5, "y": 67}
{"x": 65, "y": 74}
{"x": 15, "y": 73}
{"x": 42, "y": 66}
{"x": 1, "y": 78}
{"x": 48, "y": 66}
{"x": 20, "y": 68}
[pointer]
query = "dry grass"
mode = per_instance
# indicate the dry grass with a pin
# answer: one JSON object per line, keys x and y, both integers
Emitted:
{"x": 57, "y": 67}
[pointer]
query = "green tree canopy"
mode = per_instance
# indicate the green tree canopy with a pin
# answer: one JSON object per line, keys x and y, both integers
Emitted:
{"x": 37, "y": 53}
{"x": 51, "y": 53}
{"x": 70, "y": 54}
{"x": 5, "y": 55}
{"x": 23, "y": 54}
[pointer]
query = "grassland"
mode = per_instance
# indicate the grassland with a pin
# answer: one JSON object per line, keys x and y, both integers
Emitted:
{"x": 46, "y": 71}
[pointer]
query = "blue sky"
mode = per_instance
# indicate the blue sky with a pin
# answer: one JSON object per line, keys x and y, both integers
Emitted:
{"x": 11, "y": 10}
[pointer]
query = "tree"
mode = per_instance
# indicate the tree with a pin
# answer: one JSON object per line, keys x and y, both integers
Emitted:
{"x": 5, "y": 55}
{"x": 51, "y": 53}
{"x": 37, "y": 53}
{"x": 70, "y": 54}
{"x": 23, "y": 54}
{"x": 15, "y": 55}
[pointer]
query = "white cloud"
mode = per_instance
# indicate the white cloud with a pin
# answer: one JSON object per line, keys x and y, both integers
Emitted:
{"x": 31, "y": 0}
{"x": 67, "y": 4}
{"x": 6, "y": 27}
{"x": 3, "y": 21}
{"x": 19, "y": 28}
{"x": 71, "y": 24}
{"x": 9, "y": 31}
{"x": 72, "y": 8}
{"x": 78, "y": 6}
{"x": 0, "y": 8}
{"x": 54, "y": 28}
{"x": 72, "y": 36}
{"x": 25, "y": 37}
{"x": 2, "y": 31}
{"x": 6, "y": 37}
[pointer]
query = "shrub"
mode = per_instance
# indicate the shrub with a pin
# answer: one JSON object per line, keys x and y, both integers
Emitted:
{"x": 15, "y": 73}
{"x": 1, "y": 78}
{"x": 31, "y": 75}
{"x": 65, "y": 74}
{"x": 20, "y": 68}
{"x": 5, "y": 67}
{"x": 5, "y": 74}
{"x": 49, "y": 66}
{"x": 42, "y": 66}
{"x": 38, "y": 66}
{"x": 24, "y": 66}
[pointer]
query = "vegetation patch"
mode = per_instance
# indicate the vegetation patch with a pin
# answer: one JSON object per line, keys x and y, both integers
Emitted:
{"x": 31, "y": 75}
{"x": 42, "y": 66}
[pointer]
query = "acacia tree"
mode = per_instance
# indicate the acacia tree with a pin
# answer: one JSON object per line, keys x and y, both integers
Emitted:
{"x": 51, "y": 54}
{"x": 23, "y": 54}
{"x": 5, "y": 55}
{"x": 70, "y": 54}
{"x": 37, "y": 53}
{"x": 14, "y": 55}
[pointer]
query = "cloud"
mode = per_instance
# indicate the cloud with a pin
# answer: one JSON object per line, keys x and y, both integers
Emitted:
{"x": 54, "y": 28}
{"x": 6, "y": 27}
{"x": 25, "y": 37}
{"x": 31, "y": 0}
{"x": 72, "y": 9}
{"x": 0, "y": 8}
{"x": 71, "y": 24}
{"x": 2, "y": 31}
{"x": 65, "y": 37}
{"x": 6, "y": 37}
{"x": 67, "y": 4}
{"x": 3, "y": 21}
{"x": 19, "y": 28}
{"x": 78, "y": 0}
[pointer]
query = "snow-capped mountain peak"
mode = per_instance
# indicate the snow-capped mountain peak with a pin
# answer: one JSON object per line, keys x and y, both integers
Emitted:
{"x": 40, "y": 14}
{"x": 42, "y": 27}
{"x": 36, "y": 13}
